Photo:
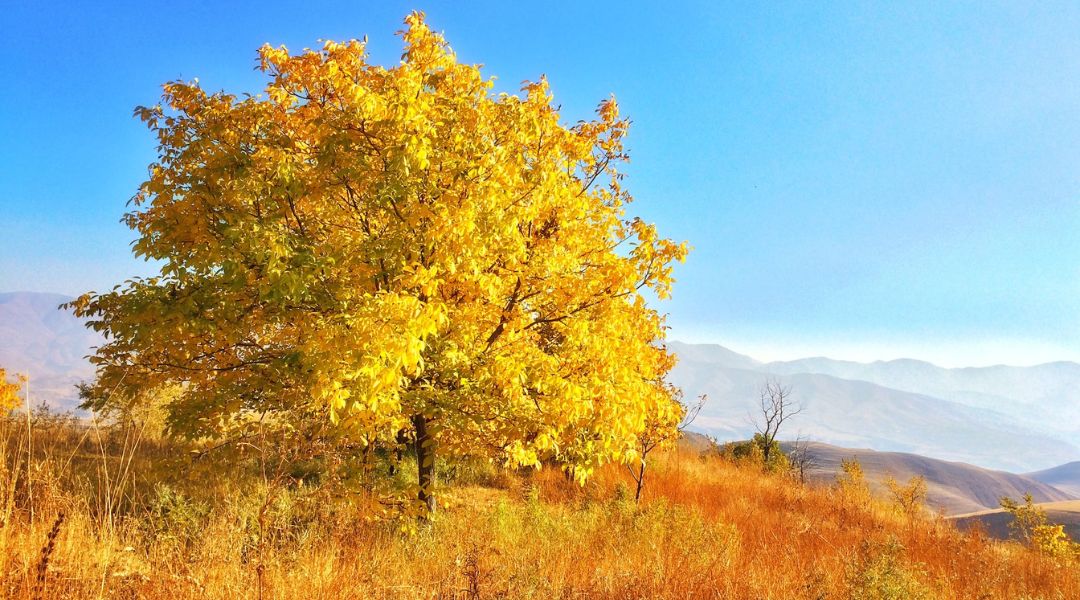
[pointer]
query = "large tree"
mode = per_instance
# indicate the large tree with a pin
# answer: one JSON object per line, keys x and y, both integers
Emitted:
{"x": 391, "y": 254}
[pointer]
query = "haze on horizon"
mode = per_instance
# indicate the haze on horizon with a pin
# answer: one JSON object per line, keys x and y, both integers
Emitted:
{"x": 863, "y": 182}
{"x": 948, "y": 354}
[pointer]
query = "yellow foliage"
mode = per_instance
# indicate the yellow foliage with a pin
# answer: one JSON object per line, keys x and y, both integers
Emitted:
{"x": 1031, "y": 525}
{"x": 910, "y": 498}
{"x": 851, "y": 482}
{"x": 9, "y": 392}
{"x": 1052, "y": 540}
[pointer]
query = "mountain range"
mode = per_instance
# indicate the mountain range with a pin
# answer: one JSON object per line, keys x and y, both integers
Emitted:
{"x": 983, "y": 416}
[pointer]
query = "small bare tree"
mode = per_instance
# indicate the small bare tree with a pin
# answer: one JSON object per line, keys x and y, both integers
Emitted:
{"x": 777, "y": 406}
{"x": 659, "y": 432}
{"x": 801, "y": 459}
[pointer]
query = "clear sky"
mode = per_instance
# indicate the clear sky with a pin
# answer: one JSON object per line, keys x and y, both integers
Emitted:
{"x": 857, "y": 180}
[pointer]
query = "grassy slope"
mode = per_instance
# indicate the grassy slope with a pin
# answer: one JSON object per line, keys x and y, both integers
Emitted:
{"x": 707, "y": 529}
{"x": 996, "y": 521}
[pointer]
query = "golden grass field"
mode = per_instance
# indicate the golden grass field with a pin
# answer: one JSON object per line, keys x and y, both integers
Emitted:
{"x": 145, "y": 521}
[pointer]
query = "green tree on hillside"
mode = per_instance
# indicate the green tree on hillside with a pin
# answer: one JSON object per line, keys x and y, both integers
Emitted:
{"x": 758, "y": 451}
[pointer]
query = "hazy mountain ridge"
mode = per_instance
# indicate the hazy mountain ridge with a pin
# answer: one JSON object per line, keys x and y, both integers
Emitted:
{"x": 1044, "y": 396}
{"x": 48, "y": 344}
{"x": 858, "y": 412}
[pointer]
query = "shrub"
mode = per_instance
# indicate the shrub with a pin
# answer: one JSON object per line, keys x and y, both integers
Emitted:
{"x": 908, "y": 499}
{"x": 752, "y": 452}
{"x": 852, "y": 482}
{"x": 879, "y": 574}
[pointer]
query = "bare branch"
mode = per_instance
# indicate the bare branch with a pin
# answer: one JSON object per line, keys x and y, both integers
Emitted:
{"x": 691, "y": 412}
{"x": 777, "y": 407}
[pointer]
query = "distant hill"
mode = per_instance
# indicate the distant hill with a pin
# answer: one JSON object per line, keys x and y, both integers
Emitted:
{"x": 713, "y": 354}
{"x": 1064, "y": 477}
{"x": 49, "y": 344}
{"x": 855, "y": 412}
{"x": 996, "y": 522}
{"x": 952, "y": 487}
{"x": 695, "y": 442}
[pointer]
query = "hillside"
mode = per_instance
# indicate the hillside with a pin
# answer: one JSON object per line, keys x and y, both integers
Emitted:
{"x": 952, "y": 487}
{"x": 706, "y": 528}
{"x": 996, "y": 522}
{"x": 860, "y": 413}
{"x": 1064, "y": 477}
{"x": 47, "y": 343}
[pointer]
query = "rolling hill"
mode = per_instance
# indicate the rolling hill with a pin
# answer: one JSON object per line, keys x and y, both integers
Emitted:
{"x": 1064, "y": 477}
{"x": 952, "y": 487}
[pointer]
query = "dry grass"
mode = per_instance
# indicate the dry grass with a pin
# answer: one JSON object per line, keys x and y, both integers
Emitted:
{"x": 706, "y": 529}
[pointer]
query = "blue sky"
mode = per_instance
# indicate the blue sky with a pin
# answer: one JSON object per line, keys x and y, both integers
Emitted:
{"x": 859, "y": 180}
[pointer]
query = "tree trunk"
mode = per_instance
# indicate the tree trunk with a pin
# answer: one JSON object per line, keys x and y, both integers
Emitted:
{"x": 640, "y": 481}
{"x": 402, "y": 440}
{"x": 425, "y": 462}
